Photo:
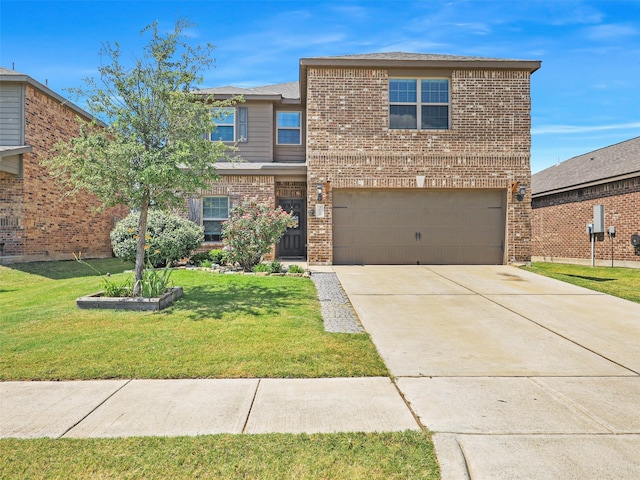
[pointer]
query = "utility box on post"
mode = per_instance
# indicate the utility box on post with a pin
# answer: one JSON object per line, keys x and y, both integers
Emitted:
{"x": 598, "y": 219}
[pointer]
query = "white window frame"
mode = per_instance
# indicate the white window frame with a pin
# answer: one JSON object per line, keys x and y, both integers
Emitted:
{"x": 215, "y": 219}
{"x": 299, "y": 127}
{"x": 419, "y": 103}
{"x": 233, "y": 125}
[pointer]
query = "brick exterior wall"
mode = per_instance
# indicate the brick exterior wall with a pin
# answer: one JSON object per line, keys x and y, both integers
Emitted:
{"x": 37, "y": 221}
{"x": 559, "y": 221}
{"x": 350, "y": 145}
{"x": 260, "y": 188}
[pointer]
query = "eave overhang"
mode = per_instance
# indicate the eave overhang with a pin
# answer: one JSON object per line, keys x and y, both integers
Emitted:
{"x": 578, "y": 186}
{"x": 462, "y": 63}
{"x": 255, "y": 168}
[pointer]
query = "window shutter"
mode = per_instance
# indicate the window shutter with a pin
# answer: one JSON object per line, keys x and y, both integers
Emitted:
{"x": 243, "y": 124}
{"x": 195, "y": 210}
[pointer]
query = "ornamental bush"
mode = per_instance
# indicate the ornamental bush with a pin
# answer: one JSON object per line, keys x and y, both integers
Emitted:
{"x": 170, "y": 237}
{"x": 252, "y": 229}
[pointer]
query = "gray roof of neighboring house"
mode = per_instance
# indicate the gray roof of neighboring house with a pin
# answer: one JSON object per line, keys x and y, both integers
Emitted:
{"x": 13, "y": 76}
{"x": 289, "y": 91}
{"x": 600, "y": 166}
{"x": 6, "y": 71}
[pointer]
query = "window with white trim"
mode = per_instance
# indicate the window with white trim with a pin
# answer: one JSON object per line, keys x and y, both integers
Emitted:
{"x": 215, "y": 210}
{"x": 419, "y": 104}
{"x": 288, "y": 128}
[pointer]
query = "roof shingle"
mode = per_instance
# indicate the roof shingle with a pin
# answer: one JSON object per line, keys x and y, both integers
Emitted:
{"x": 599, "y": 165}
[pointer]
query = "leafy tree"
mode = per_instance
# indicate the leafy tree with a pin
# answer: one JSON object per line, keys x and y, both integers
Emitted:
{"x": 153, "y": 149}
{"x": 251, "y": 231}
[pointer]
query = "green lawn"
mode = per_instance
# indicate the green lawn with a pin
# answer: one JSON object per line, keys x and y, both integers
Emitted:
{"x": 341, "y": 456}
{"x": 619, "y": 282}
{"x": 226, "y": 326}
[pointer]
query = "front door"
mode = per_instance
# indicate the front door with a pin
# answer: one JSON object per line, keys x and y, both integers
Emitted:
{"x": 294, "y": 241}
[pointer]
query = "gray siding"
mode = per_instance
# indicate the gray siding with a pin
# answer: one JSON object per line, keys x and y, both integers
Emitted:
{"x": 11, "y": 164}
{"x": 259, "y": 144}
{"x": 11, "y": 114}
{"x": 290, "y": 153}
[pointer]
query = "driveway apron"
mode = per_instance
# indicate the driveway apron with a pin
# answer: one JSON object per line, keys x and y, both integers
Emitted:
{"x": 517, "y": 375}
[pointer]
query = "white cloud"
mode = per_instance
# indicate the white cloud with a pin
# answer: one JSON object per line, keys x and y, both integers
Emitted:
{"x": 476, "y": 28}
{"x": 569, "y": 129}
{"x": 610, "y": 31}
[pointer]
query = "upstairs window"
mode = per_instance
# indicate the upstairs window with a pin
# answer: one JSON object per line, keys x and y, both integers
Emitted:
{"x": 215, "y": 210}
{"x": 288, "y": 128}
{"x": 419, "y": 104}
{"x": 225, "y": 120}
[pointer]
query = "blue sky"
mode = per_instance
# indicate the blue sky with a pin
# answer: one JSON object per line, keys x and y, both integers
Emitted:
{"x": 585, "y": 96}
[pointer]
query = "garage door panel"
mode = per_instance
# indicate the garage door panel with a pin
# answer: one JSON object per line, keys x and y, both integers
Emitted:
{"x": 419, "y": 226}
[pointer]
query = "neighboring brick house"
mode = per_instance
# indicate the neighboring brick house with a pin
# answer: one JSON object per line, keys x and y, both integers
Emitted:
{"x": 390, "y": 158}
{"x": 563, "y": 199}
{"x": 37, "y": 221}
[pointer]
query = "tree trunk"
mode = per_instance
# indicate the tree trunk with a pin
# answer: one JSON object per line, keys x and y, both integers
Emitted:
{"x": 140, "y": 250}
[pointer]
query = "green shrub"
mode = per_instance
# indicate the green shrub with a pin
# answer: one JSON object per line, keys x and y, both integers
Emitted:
{"x": 276, "y": 267}
{"x": 296, "y": 269}
{"x": 199, "y": 258}
{"x": 170, "y": 237}
{"x": 218, "y": 256}
{"x": 269, "y": 267}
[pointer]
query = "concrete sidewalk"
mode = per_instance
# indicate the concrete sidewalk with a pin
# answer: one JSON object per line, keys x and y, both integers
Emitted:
{"x": 121, "y": 408}
{"x": 518, "y": 376}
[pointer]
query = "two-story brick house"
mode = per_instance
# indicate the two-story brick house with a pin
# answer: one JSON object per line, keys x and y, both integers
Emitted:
{"x": 37, "y": 221}
{"x": 391, "y": 158}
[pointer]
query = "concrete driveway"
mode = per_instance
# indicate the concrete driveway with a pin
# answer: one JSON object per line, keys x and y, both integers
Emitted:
{"x": 517, "y": 375}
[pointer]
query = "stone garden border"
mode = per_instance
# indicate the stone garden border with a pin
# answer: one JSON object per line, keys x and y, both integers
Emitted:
{"x": 97, "y": 300}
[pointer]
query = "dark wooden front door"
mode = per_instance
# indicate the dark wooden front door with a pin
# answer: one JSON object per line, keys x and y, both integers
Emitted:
{"x": 294, "y": 241}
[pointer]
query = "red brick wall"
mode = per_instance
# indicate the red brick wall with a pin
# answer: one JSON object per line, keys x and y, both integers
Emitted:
{"x": 50, "y": 224}
{"x": 349, "y": 144}
{"x": 559, "y": 222}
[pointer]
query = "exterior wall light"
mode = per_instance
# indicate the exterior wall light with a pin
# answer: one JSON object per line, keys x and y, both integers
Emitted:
{"x": 319, "y": 192}
{"x": 522, "y": 190}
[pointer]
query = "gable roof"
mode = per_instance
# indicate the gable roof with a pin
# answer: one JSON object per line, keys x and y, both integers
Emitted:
{"x": 279, "y": 91}
{"x": 607, "y": 164}
{"x": 7, "y": 75}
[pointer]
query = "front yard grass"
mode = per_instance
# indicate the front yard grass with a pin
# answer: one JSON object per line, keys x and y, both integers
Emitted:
{"x": 226, "y": 326}
{"x": 619, "y": 282}
{"x": 368, "y": 456}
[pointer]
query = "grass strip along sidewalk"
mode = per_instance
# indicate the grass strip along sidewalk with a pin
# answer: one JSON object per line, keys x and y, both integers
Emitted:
{"x": 366, "y": 456}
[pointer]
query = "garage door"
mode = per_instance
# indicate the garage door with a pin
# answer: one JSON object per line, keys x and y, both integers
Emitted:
{"x": 409, "y": 227}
